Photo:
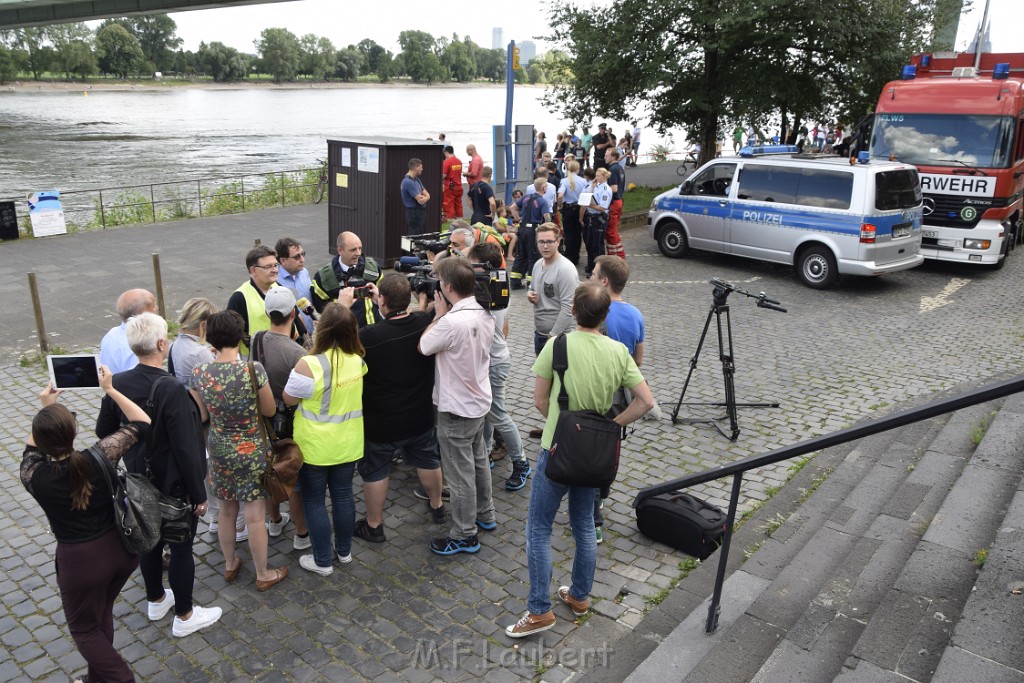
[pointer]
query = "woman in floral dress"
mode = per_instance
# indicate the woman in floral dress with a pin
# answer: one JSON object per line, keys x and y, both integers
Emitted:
{"x": 237, "y": 450}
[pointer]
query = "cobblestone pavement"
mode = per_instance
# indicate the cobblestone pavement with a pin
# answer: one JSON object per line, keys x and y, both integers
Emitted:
{"x": 398, "y": 613}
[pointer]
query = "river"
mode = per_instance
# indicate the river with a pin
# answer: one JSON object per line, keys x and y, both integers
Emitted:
{"x": 78, "y": 139}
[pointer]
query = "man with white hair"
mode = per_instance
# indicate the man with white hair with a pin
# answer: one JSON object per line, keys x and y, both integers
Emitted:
{"x": 173, "y": 456}
{"x": 114, "y": 351}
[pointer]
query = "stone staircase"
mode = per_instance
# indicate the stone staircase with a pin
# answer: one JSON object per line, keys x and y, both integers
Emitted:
{"x": 901, "y": 565}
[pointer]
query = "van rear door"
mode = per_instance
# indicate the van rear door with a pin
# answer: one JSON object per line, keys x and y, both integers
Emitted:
{"x": 896, "y": 218}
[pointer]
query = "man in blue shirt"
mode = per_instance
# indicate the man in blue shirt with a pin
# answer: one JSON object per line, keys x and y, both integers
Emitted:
{"x": 528, "y": 211}
{"x": 415, "y": 198}
{"x": 293, "y": 274}
{"x": 114, "y": 350}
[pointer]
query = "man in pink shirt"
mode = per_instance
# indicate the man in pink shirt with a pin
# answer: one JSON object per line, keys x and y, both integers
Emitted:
{"x": 460, "y": 338}
{"x": 476, "y": 166}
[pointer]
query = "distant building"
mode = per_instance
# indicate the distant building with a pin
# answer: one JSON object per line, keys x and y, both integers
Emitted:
{"x": 497, "y": 38}
{"x": 527, "y": 52}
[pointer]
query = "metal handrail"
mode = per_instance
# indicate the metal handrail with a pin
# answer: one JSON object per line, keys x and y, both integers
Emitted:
{"x": 882, "y": 424}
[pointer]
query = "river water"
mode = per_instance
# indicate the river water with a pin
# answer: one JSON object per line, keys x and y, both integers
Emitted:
{"x": 75, "y": 139}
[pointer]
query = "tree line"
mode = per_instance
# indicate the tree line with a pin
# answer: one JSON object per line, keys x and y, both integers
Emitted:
{"x": 140, "y": 46}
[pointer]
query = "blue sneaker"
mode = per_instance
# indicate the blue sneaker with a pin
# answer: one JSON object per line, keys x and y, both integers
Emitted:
{"x": 487, "y": 526}
{"x": 453, "y": 546}
{"x": 492, "y": 464}
{"x": 521, "y": 471}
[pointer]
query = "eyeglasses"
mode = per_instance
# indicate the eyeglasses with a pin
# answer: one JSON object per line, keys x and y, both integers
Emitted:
{"x": 272, "y": 266}
{"x": 301, "y": 254}
{"x": 546, "y": 243}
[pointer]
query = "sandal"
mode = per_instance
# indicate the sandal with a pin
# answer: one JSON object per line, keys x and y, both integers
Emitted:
{"x": 280, "y": 574}
{"x": 232, "y": 574}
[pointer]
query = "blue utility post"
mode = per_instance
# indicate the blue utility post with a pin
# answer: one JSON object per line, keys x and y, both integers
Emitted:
{"x": 510, "y": 150}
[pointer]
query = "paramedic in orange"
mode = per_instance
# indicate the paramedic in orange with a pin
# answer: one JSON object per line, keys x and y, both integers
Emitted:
{"x": 451, "y": 182}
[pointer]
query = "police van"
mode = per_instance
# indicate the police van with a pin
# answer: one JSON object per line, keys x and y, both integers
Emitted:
{"x": 822, "y": 214}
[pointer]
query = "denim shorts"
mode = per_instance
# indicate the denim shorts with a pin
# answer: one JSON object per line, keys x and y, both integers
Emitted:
{"x": 419, "y": 451}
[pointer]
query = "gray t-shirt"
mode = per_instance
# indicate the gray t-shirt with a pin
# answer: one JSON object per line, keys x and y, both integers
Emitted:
{"x": 555, "y": 286}
{"x": 278, "y": 354}
{"x": 499, "y": 347}
{"x": 187, "y": 353}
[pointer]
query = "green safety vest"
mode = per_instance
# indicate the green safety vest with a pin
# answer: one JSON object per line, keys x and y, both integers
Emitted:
{"x": 256, "y": 311}
{"x": 329, "y": 282}
{"x": 329, "y": 425}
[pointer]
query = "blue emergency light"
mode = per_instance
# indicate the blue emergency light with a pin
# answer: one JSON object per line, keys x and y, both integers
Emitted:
{"x": 1001, "y": 72}
{"x": 909, "y": 73}
{"x": 761, "y": 150}
{"x": 863, "y": 157}
{"x": 926, "y": 61}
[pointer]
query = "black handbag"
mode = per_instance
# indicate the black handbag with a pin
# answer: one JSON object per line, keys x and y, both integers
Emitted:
{"x": 136, "y": 511}
{"x": 585, "y": 446}
{"x": 683, "y": 522}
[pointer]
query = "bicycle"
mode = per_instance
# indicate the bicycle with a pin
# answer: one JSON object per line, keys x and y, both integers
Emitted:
{"x": 321, "y": 183}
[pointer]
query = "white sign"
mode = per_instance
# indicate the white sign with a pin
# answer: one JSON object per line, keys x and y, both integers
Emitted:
{"x": 346, "y": 156}
{"x": 46, "y": 214}
{"x": 369, "y": 159}
{"x": 964, "y": 186}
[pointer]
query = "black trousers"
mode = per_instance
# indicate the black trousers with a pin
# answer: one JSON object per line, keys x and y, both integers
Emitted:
{"x": 573, "y": 231}
{"x": 594, "y": 228}
{"x": 526, "y": 255}
{"x": 181, "y": 573}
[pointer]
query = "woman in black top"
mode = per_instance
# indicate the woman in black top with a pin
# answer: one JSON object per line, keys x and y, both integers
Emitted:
{"x": 92, "y": 564}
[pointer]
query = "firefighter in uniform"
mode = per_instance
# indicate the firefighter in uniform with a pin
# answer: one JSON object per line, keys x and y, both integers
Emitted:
{"x": 349, "y": 268}
{"x": 451, "y": 182}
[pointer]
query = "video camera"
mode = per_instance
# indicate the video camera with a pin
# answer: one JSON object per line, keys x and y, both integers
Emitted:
{"x": 419, "y": 245}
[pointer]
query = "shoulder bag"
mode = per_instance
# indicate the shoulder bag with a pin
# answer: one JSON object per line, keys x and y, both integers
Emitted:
{"x": 284, "y": 457}
{"x": 585, "y": 447}
{"x": 284, "y": 418}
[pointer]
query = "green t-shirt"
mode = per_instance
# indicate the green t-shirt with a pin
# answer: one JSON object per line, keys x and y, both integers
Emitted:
{"x": 597, "y": 367}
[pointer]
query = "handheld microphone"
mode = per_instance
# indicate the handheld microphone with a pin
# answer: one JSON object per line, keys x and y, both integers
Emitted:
{"x": 306, "y": 307}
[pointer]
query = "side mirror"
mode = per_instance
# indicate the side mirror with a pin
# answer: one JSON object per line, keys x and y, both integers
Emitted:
{"x": 687, "y": 188}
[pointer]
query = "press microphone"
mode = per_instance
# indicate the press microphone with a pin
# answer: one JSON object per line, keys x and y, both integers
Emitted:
{"x": 306, "y": 307}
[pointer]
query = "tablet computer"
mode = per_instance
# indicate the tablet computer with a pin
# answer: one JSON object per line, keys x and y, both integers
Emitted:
{"x": 586, "y": 198}
{"x": 74, "y": 371}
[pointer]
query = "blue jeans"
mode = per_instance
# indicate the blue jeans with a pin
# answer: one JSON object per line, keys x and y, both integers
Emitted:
{"x": 316, "y": 479}
{"x": 498, "y": 418}
{"x": 545, "y": 499}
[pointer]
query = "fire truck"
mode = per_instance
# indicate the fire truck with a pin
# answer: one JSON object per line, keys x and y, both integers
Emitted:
{"x": 960, "y": 119}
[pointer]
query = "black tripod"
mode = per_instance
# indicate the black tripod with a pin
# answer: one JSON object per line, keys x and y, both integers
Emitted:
{"x": 720, "y": 309}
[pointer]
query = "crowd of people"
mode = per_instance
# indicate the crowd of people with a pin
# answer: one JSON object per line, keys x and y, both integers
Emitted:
{"x": 358, "y": 370}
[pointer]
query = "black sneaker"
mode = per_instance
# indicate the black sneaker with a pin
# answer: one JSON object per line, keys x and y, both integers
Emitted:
{"x": 453, "y": 546}
{"x": 420, "y": 493}
{"x": 366, "y": 532}
{"x": 438, "y": 515}
{"x": 521, "y": 471}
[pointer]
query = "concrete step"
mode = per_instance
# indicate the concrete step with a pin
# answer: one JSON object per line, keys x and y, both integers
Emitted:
{"x": 797, "y": 608}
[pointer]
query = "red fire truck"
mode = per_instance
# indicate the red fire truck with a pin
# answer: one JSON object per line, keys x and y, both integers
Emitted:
{"x": 960, "y": 120}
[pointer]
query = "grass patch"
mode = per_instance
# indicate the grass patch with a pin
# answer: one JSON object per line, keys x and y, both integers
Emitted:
{"x": 978, "y": 433}
{"x": 37, "y": 358}
{"x": 980, "y": 558}
{"x": 773, "y": 524}
{"x": 639, "y": 198}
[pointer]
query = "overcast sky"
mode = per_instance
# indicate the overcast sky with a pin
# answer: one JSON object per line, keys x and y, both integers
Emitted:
{"x": 349, "y": 22}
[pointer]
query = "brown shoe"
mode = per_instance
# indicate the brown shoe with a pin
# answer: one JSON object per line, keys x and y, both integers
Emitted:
{"x": 499, "y": 452}
{"x": 232, "y": 574}
{"x": 536, "y": 433}
{"x": 531, "y": 623}
{"x": 578, "y": 607}
{"x": 279, "y": 575}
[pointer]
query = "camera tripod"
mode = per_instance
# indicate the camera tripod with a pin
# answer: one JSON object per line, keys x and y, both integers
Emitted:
{"x": 720, "y": 310}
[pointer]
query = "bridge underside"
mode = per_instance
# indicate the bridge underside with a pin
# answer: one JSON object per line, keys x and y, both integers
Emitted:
{"x": 17, "y": 13}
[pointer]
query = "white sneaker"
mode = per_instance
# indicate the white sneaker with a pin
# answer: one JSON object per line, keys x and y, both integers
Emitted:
{"x": 213, "y": 527}
{"x": 159, "y": 610}
{"x": 309, "y": 564}
{"x": 344, "y": 559}
{"x": 275, "y": 528}
{"x": 241, "y": 535}
{"x": 201, "y": 618}
{"x": 300, "y": 543}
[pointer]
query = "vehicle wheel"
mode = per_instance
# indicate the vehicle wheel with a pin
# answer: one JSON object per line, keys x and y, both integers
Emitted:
{"x": 672, "y": 240}
{"x": 816, "y": 267}
{"x": 318, "y": 191}
{"x": 1007, "y": 248}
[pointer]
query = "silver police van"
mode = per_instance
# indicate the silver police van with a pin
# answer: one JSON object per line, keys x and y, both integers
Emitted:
{"x": 822, "y": 214}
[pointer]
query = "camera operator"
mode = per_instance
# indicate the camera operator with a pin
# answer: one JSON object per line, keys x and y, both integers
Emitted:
{"x": 460, "y": 339}
{"x": 347, "y": 270}
{"x": 398, "y": 410}
{"x": 529, "y": 211}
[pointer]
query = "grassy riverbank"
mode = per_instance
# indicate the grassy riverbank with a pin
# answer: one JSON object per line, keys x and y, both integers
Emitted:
{"x": 56, "y": 82}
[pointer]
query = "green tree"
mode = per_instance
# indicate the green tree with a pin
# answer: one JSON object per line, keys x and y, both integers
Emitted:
{"x": 280, "y": 53}
{"x": 118, "y": 50}
{"x": 38, "y": 55}
{"x": 9, "y": 65}
{"x": 490, "y": 64}
{"x": 348, "y": 62}
{"x": 372, "y": 54}
{"x": 458, "y": 59}
{"x": 318, "y": 57}
{"x": 419, "y": 59}
{"x": 224, "y": 63}
{"x": 156, "y": 36}
{"x": 385, "y": 66}
{"x": 535, "y": 72}
{"x": 72, "y": 45}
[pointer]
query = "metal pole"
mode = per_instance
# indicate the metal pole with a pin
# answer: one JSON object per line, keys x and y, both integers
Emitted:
{"x": 159, "y": 286}
{"x": 152, "y": 202}
{"x": 510, "y": 164}
{"x": 199, "y": 196}
{"x": 103, "y": 217}
{"x": 282, "y": 187}
{"x": 715, "y": 609}
{"x": 37, "y": 308}
{"x": 243, "y": 193}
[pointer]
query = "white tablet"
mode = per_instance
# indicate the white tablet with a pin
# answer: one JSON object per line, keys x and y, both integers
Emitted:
{"x": 74, "y": 372}
{"x": 586, "y": 198}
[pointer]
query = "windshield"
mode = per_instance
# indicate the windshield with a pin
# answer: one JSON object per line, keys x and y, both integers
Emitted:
{"x": 944, "y": 139}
